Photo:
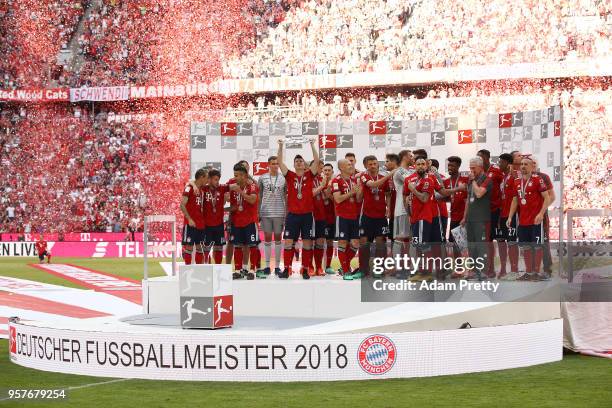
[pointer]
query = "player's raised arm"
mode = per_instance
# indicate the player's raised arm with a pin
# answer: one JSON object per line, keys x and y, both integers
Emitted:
{"x": 281, "y": 161}
{"x": 314, "y": 167}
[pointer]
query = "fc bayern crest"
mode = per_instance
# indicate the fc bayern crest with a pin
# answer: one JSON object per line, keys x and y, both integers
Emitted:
{"x": 376, "y": 354}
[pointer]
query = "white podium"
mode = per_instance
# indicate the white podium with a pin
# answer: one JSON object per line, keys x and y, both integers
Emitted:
{"x": 206, "y": 298}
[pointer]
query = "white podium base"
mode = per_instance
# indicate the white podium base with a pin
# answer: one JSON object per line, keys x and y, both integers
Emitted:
{"x": 327, "y": 296}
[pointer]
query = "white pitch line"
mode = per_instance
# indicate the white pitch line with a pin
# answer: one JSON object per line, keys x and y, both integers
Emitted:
{"x": 98, "y": 383}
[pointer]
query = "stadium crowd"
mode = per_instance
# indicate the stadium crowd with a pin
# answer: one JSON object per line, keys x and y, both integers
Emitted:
{"x": 68, "y": 174}
{"x": 328, "y": 37}
{"x": 138, "y": 42}
{"x": 32, "y": 33}
{"x": 55, "y": 159}
{"x": 122, "y": 42}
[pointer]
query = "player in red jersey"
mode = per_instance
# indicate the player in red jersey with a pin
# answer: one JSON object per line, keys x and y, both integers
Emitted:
{"x": 373, "y": 224}
{"x": 497, "y": 176}
{"x": 546, "y": 222}
{"x": 300, "y": 207}
{"x": 41, "y": 248}
{"x": 244, "y": 233}
{"x": 441, "y": 214}
{"x": 458, "y": 199}
{"x": 194, "y": 224}
{"x": 392, "y": 162}
{"x": 330, "y": 218}
{"x": 320, "y": 220}
{"x": 347, "y": 195}
{"x": 214, "y": 201}
{"x": 506, "y": 237}
{"x": 425, "y": 218}
{"x": 229, "y": 247}
{"x": 418, "y": 194}
{"x": 531, "y": 199}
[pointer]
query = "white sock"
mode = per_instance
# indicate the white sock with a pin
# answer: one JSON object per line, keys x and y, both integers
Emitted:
{"x": 268, "y": 252}
{"x": 278, "y": 246}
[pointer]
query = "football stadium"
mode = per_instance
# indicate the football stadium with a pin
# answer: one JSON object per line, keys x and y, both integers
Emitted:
{"x": 306, "y": 203}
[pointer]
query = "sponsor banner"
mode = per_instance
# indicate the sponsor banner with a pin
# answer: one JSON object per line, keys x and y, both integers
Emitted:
{"x": 75, "y": 236}
{"x": 101, "y": 236}
{"x": 563, "y": 69}
{"x": 103, "y": 93}
{"x": 7, "y": 237}
{"x": 113, "y": 117}
{"x": 35, "y": 95}
{"x": 119, "y": 249}
{"x": 204, "y": 356}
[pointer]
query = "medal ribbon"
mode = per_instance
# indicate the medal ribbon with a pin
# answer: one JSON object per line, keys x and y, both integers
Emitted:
{"x": 524, "y": 186}
{"x": 299, "y": 186}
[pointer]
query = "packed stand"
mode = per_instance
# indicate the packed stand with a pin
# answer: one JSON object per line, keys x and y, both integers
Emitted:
{"x": 32, "y": 33}
{"x": 68, "y": 173}
{"x": 327, "y": 37}
{"x": 151, "y": 41}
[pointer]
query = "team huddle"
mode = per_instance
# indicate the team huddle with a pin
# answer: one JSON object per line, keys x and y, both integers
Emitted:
{"x": 403, "y": 209}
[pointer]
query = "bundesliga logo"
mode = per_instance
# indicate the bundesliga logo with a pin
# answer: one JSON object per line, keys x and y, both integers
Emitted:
{"x": 376, "y": 354}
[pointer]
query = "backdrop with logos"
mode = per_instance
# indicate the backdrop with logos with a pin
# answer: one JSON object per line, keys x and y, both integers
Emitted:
{"x": 540, "y": 132}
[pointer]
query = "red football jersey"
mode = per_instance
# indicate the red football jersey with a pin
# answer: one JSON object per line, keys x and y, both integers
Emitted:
{"x": 295, "y": 184}
{"x": 41, "y": 246}
{"x": 374, "y": 199}
{"x": 195, "y": 206}
{"x": 497, "y": 176}
{"x": 458, "y": 200}
{"x": 420, "y": 210}
{"x": 213, "y": 204}
{"x": 531, "y": 191}
{"x": 244, "y": 213}
{"x": 319, "y": 200}
{"x": 508, "y": 191}
{"x": 349, "y": 208}
{"x": 547, "y": 182}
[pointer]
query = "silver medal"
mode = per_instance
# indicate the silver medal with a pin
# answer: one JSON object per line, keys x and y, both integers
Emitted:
{"x": 299, "y": 196}
{"x": 523, "y": 201}
{"x": 240, "y": 207}
{"x": 471, "y": 199}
